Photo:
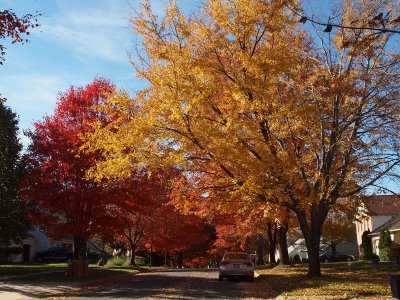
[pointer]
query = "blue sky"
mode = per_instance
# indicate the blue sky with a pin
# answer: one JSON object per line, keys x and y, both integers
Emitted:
{"x": 77, "y": 40}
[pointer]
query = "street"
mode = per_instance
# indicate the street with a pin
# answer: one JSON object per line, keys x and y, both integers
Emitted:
{"x": 168, "y": 284}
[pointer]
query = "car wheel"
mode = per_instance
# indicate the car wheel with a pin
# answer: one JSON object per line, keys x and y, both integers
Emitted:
{"x": 326, "y": 260}
{"x": 220, "y": 278}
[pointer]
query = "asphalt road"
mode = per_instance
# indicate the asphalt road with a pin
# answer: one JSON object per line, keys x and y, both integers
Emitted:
{"x": 164, "y": 284}
{"x": 176, "y": 284}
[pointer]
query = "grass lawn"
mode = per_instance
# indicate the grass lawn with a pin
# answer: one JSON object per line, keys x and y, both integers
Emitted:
{"x": 94, "y": 273}
{"x": 29, "y": 268}
{"x": 339, "y": 280}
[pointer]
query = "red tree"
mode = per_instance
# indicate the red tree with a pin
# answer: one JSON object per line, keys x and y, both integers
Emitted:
{"x": 64, "y": 202}
{"x": 172, "y": 232}
{"x": 15, "y": 27}
{"x": 144, "y": 214}
{"x": 134, "y": 211}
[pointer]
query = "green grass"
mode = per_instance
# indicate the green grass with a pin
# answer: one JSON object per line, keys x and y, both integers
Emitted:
{"x": 29, "y": 268}
{"x": 94, "y": 273}
{"x": 339, "y": 280}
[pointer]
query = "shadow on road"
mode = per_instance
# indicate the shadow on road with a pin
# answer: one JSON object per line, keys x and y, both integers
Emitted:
{"x": 186, "y": 284}
{"x": 164, "y": 284}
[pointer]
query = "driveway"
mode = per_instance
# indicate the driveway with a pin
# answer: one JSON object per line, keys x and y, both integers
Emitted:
{"x": 168, "y": 284}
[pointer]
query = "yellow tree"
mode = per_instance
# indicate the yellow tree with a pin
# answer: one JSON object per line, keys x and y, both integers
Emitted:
{"x": 269, "y": 113}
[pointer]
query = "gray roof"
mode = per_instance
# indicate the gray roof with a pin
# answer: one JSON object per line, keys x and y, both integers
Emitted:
{"x": 30, "y": 236}
{"x": 392, "y": 224}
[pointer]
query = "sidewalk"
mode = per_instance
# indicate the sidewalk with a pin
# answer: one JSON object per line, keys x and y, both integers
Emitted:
{"x": 23, "y": 290}
{"x": 34, "y": 290}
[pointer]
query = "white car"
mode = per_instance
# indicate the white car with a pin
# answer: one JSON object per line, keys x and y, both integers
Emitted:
{"x": 236, "y": 264}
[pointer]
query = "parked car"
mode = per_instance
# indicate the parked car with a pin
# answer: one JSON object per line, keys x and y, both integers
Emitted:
{"x": 335, "y": 256}
{"x": 236, "y": 264}
{"x": 54, "y": 254}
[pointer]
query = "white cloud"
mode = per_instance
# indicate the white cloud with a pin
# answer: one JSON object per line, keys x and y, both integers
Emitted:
{"x": 37, "y": 89}
{"x": 31, "y": 96}
{"x": 100, "y": 32}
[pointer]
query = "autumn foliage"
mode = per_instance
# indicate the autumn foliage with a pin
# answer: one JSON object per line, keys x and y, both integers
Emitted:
{"x": 15, "y": 27}
{"x": 64, "y": 202}
{"x": 264, "y": 111}
{"x": 136, "y": 210}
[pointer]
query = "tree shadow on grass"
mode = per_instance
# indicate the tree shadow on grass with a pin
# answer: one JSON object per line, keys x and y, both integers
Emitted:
{"x": 337, "y": 280}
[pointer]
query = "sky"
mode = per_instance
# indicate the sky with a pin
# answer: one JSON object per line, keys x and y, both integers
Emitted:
{"x": 77, "y": 41}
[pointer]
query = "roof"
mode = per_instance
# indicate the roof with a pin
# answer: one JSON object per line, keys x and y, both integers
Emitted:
{"x": 30, "y": 236}
{"x": 392, "y": 224}
{"x": 388, "y": 205}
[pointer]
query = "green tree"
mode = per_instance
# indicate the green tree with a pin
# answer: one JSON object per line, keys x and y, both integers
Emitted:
{"x": 384, "y": 243}
{"x": 366, "y": 245}
{"x": 13, "y": 223}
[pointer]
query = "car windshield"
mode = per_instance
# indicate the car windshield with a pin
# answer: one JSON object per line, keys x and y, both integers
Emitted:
{"x": 236, "y": 256}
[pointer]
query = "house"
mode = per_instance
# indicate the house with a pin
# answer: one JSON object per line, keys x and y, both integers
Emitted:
{"x": 393, "y": 226}
{"x": 377, "y": 213}
{"x": 299, "y": 248}
{"x": 37, "y": 240}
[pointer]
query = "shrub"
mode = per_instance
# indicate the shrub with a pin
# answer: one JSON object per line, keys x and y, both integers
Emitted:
{"x": 140, "y": 260}
{"x": 384, "y": 243}
{"x": 366, "y": 246}
{"x": 14, "y": 250}
{"x": 394, "y": 252}
{"x": 118, "y": 261}
{"x": 296, "y": 258}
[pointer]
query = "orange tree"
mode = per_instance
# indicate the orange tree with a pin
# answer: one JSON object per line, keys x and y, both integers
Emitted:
{"x": 241, "y": 97}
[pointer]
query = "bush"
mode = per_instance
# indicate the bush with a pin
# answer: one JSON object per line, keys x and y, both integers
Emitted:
{"x": 384, "y": 243}
{"x": 296, "y": 259}
{"x": 14, "y": 250}
{"x": 140, "y": 260}
{"x": 373, "y": 256}
{"x": 384, "y": 254}
{"x": 366, "y": 246}
{"x": 393, "y": 252}
{"x": 118, "y": 261}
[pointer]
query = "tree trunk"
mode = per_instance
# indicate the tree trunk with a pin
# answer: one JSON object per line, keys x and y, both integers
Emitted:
{"x": 314, "y": 266}
{"x": 312, "y": 236}
{"x": 271, "y": 233}
{"x": 333, "y": 247}
{"x": 282, "y": 244}
{"x": 133, "y": 254}
{"x": 180, "y": 259}
{"x": 151, "y": 255}
{"x": 77, "y": 248}
{"x": 260, "y": 250}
